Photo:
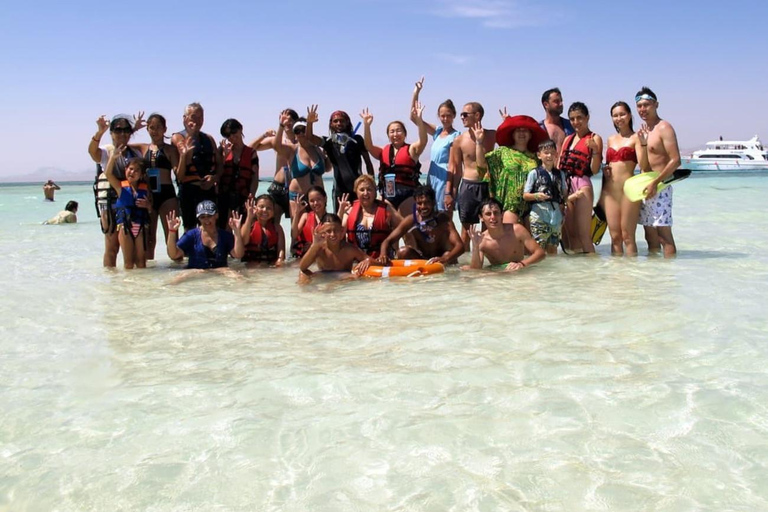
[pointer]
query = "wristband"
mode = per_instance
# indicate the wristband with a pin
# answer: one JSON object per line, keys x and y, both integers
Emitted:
{"x": 94, "y": 139}
{"x": 644, "y": 145}
{"x": 173, "y": 230}
{"x": 523, "y": 263}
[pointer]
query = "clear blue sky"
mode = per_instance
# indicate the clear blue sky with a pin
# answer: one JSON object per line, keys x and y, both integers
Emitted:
{"x": 65, "y": 64}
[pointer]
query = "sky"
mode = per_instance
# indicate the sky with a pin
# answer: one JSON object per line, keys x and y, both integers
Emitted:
{"x": 65, "y": 64}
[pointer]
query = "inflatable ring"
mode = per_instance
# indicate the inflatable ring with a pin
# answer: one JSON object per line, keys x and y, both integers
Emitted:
{"x": 405, "y": 268}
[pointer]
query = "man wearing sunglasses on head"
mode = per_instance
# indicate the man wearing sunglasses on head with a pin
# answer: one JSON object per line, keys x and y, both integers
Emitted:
{"x": 429, "y": 234}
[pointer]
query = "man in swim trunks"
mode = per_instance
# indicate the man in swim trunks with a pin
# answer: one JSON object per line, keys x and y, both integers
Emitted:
{"x": 660, "y": 153}
{"x": 331, "y": 251}
{"x": 463, "y": 165}
{"x": 502, "y": 244}
{"x": 433, "y": 235}
{"x": 557, "y": 126}
{"x": 278, "y": 189}
{"x": 49, "y": 189}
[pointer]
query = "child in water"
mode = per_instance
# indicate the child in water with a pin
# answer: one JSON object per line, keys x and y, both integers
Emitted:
{"x": 263, "y": 238}
{"x": 332, "y": 252}
{"x": 131, "y": 209}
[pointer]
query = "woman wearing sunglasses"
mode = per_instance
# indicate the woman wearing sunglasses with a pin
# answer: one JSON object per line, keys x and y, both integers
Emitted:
{"x": 307, "y": 162}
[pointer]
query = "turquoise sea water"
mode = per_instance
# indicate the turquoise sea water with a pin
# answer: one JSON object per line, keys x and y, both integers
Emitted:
{"x": 579, "y": 384}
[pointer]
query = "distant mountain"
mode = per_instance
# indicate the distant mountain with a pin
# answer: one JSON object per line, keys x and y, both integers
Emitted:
{"x": 44, "y": 174}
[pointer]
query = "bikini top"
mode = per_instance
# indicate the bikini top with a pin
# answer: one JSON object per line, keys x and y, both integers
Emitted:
{"x": 299, "y": 169}
{"x": 625, "y": 154}
{"x": 157, "y": 159}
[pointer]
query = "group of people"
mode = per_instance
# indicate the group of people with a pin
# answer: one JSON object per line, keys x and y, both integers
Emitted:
{"x": 526, "y": 183}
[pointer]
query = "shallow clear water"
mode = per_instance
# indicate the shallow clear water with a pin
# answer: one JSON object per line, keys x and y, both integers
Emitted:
{"x": 579, "y": 384}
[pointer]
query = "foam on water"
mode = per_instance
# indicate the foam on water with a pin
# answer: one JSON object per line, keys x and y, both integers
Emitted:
{"x": 579, "y": 384}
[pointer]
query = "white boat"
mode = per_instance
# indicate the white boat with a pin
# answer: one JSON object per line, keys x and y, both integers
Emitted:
{"x": 729, "y": 155}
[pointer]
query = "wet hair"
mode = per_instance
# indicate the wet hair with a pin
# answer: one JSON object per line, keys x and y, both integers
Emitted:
{"x": 647, "y": 90}
{"x": 159, "y": 118}
{"x": 266, "y": 197}
{"x": 547, "y": 144}
{"x": 194, "y": 106}
{"x": 364, "y": 178}
{"x": 476, "y": 107}
{"x": 629, "y": 111}
{"x": 425, "y": 191}
{"x": 320, "y": 190}
{"x": 332, "y": 218}
{"x": 71, "y": 206}
{"x": 230, "y": 126}
{"x": 449, "y": 105}
{"x": 548, "y": 93}
{"x": 294, "y": 115}
{"x": 578, "y": 106}
{"x": 490, "y": 202}
{"x": 405, "y": 132}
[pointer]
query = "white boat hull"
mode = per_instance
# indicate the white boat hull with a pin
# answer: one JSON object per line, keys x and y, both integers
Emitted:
{"x": 701, "y": 164}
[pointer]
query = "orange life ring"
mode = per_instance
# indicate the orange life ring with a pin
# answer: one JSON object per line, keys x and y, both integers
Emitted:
{"x": 405, "y": 268}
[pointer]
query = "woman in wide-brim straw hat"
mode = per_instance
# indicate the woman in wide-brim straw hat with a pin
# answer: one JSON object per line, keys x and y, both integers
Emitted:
{"x": 507, "y": 166}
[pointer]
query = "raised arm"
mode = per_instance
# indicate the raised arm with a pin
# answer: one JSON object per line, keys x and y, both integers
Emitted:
{"x": 415, "y": 101}
{"x": 264, "y": 141}
{"x": 642, "y": 155}
{"x": 375, "y": 151}
{"x": 418, "y": 147}
{"x": 595, "y": 144}
{"x": 235, "y": 221}
{"x": 280, "y": 148}
{"x": 311, "y": 120}
{"x": 250, "y": 218}
{"x": 482, "y": 164}
{"x": 110, "y": 170}
{"x": 476, "y": 237}
{"x": 318, "y": 242}
{"x": 173, "y": 236}
{"x": 93, "y": 146}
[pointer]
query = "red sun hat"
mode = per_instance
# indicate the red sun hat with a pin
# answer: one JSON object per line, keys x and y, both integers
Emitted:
{"x": 507, "y": 128}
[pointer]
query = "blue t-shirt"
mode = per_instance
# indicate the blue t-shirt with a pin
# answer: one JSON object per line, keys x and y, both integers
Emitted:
{"x": 202, "y": 257}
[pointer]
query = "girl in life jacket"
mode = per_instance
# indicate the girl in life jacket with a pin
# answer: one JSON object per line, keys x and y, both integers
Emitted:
{"x": 368, "y": 221}
{"x": 303, "y": 225}
{"x": 400, "y": 168}
{"x": 264, "y": 240}
{"x": 131, "y": 209}
{"x": 580, "y": 158}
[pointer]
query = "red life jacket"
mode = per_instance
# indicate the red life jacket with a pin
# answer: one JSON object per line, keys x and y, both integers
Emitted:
{"x": 260, "y": 248}
{"x": 368, "y": 241}
{"x": 238, "y": 178}
{"x": 400, "y": 163}
{"x": 577, "y": 160}
{"x": 305, "y": 236}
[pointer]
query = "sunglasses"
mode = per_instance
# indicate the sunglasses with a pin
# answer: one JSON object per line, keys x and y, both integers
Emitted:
{"x": 465, "y": 115}
{"x": 124, "y": 129}
{"x": 299, "y": 130}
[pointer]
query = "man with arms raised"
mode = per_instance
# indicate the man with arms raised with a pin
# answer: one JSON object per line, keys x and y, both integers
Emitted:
{"x": 557, "y": 126}
{"x": 463, "y": 165}
{"x": 502, "y": 244}
{"x": 433, "y": 234}
{"x": 661, "y": 154}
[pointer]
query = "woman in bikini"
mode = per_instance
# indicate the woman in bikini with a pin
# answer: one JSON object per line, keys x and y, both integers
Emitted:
{"x": 580, "y": 158}
{"x": 368, "y": 221}
{"x": 307, "y": 162}
{"x": 621, "y": 159}
{"x": 131, "y": 209}
{"x": 400, "y": 168}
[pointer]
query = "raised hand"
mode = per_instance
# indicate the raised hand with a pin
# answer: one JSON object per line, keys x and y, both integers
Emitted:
{"x": 479, "y": 132}
{"x": 344, "y": 204}
{"x": 235, "y": 221}
{"x": 312, "y": 116}
{"x": 417, "y": 110}
{"x": 367, "y": 117}
{"x": 300, "y": 202}
{"x": 284, "y": 119}
{"x": 173, "y": 221}
{"x": 226, "y": 147}
{"x": 418, "y": 87}
{"x": 642, "y": 134}
{"x": 250, "y": 208}
{"x": 318, "y": 235}
{"x": 476, "y": 236}
{"x": 592, "y": 144}
{"x": 503, "y": 113}
{"x": 103, "y": 123}
{"x": 138, "y": 121}
{"x": 269, "y": 133}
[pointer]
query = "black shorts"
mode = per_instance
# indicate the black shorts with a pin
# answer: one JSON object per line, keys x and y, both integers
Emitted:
{"x": 402, "y": 192}
{"x": 279, "y": 193}
{"x": 189, "y": 197}
{"x": 470, "y": 198}
{"x": 167, "y": 192}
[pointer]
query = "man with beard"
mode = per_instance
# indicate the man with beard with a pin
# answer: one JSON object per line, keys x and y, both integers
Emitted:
{"x": 557, "y": 127}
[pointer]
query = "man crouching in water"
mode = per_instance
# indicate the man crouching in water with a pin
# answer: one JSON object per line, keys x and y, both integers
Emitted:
{"x": 502, "y": 244}
{"x": 332, "y": 252}
{"x": 432, "y": 234}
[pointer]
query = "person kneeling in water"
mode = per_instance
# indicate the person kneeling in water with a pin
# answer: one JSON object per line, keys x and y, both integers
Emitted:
{"x": 332, "y": 252}
{"x": 502, "y": 244}
{"x": 66, "y": 216}
{"x": 433, "y": 235}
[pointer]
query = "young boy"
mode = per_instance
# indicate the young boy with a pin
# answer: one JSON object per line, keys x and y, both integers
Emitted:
{"x": 331, "y": 251}
{"x": 502, "y": 244}
{"x": 546, "y": 188}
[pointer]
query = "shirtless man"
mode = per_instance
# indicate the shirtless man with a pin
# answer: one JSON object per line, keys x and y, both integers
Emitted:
{"x": 50, "y": 188}
{"x": 502, "y": 244}
{"x": 331, "y": 251}
{"x": 557, "y": 127}
{"x": 463, "y": 165}
{"x": 279, "y": 187}
{"x": 433, "y": 235}
{"x": 660, "y": 153}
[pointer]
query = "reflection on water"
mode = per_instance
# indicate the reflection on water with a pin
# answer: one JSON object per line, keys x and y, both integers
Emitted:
{"x": 579, "y": 384}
